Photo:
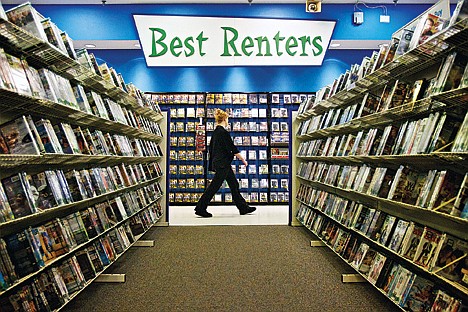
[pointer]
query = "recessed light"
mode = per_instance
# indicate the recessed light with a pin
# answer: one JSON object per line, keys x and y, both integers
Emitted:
{"x": 90, "y": 45}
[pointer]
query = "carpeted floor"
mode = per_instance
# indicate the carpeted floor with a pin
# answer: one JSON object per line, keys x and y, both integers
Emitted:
{"x": 230, "y": 268}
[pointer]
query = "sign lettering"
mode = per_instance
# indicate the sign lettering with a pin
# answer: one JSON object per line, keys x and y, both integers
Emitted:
{"x": 209, "y": 41}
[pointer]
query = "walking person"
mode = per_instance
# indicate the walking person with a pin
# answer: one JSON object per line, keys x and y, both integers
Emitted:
{"x": 221, "y": 153}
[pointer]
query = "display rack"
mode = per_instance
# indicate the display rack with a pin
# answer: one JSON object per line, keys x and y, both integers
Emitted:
{"x": 187, "y": 156}
{"x": 322, "y": 203}
{"x": 279, "y": 124}
{"x": 116, "y": 229}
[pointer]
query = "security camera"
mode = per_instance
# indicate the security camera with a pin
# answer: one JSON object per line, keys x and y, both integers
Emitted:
{"x": 313, "y": 6}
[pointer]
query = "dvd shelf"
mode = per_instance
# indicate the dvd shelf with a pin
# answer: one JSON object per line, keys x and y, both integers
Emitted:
{"x": 381, "y": 171}
{"x": 249, "y": 131}
{"x": 187, "y": 158}
{"x": 80, "y": 164}
{"x": 259, "y": 123}
{"x": 279, "y": 143}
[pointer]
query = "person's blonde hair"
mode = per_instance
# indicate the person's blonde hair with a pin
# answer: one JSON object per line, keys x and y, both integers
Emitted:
{"x": 220, "y": 115}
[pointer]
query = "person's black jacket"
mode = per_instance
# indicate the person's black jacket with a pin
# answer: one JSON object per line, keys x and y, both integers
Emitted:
{"x": 221, "y": 149}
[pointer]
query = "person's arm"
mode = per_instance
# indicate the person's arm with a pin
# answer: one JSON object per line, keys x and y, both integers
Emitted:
{"x": 230, "y": 144}
{"x": 239, "y": 155}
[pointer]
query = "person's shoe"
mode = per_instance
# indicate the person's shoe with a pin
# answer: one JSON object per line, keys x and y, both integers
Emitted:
{"x": 247, "y": 210}
{"x": 203, "y": 214}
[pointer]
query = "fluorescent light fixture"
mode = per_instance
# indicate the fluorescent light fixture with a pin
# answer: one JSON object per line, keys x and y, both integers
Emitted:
{"x": 90, "y": 45}
{"x": 335, "y": 45}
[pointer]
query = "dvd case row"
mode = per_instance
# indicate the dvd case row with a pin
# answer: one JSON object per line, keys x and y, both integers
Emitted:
{"x": 335, "y": 117}
{"x": 251, "y": 197}
{"x": 279, "y": 139}
{"x": 24, "y": 194}
{"x": 95, "y": 244}
{"x": 189, "y": 141}
{"x": 25, "y": 135}
{"x": 439, "y": 190}
{"x": 254, "y": 140}
{"x": 418, "y": 136}
{"x": 408, "y": 137}
{"x": 228, "y": 98}
{"x": 199, "y": 112}
{"x": 189, "y": 183}
{"x": 185, "y": 155}
{"x": 178, "y": 170}
{"x": 349, "y": 228}
{"x": 252, "y": 183}
{"x": 453, "y": 74}
{"x": 182, "y": 141}
{"x": 29, "y": 19}
{"x": 237, "y": 126}
{"x": 247, "y": 154}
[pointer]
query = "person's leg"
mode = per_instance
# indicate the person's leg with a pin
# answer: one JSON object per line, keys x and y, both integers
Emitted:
{"x": 211, "y": 190}
{"x": 240, "y": 202}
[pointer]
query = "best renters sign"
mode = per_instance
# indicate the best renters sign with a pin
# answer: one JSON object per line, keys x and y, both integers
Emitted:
{"x": 212, "y": 41}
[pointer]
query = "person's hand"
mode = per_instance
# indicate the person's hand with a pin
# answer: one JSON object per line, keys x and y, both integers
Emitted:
{"x": 245, "y": 162}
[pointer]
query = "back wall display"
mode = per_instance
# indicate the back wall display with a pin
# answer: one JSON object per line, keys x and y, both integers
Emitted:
{"x": 259, "y": 124}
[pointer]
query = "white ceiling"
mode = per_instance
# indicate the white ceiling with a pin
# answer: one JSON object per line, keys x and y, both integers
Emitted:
{"x": 109, "y": 2}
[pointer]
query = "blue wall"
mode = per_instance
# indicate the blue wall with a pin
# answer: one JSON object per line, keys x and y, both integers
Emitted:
{"x": 115, "y": 22}
{"x": 132, "y": 65}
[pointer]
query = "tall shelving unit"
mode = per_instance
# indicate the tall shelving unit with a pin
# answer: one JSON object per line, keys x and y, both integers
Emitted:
{"x": 281, "y": 106}
{"x": 322, "y": 205}
{"x": 186, "y": 159}
{"x": 145, "y": 196}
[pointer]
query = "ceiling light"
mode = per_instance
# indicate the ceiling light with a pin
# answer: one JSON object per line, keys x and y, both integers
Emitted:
{"x": 137, "y": 45}
{"x": 90, "y": 45}
{"x": 335, "y": 45}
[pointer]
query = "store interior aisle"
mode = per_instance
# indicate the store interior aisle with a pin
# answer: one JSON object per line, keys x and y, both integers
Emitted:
{"x": 230, "y": 268}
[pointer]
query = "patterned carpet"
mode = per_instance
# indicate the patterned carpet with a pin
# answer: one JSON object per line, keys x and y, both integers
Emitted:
{"x": 230, "y": 268}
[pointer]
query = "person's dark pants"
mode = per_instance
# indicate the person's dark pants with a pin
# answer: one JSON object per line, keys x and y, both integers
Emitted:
{"x": 222, "y": 174}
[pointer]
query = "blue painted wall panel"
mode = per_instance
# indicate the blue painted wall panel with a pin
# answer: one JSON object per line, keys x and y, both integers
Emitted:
{"x": 132, "y": 65}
